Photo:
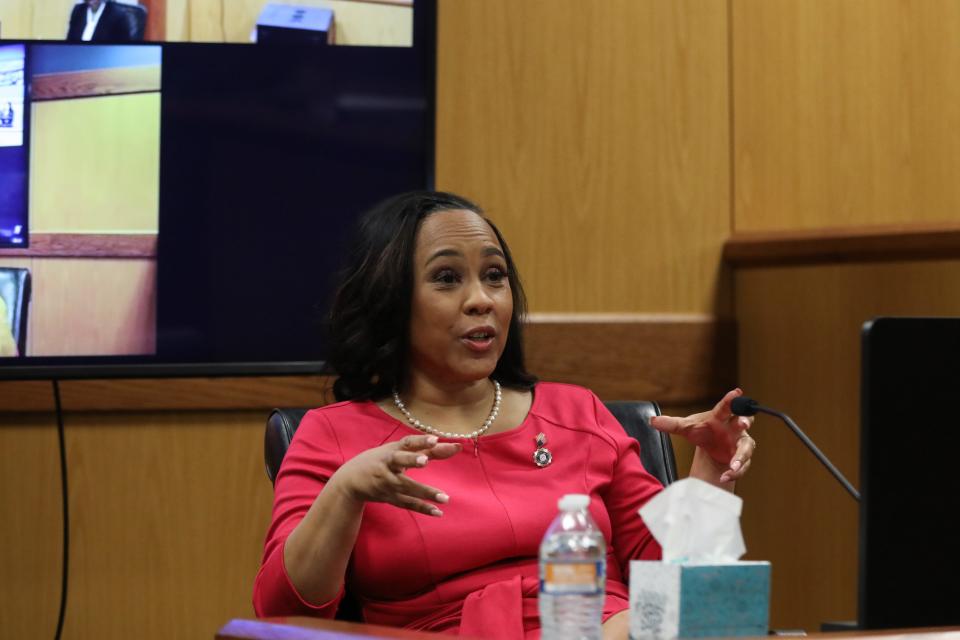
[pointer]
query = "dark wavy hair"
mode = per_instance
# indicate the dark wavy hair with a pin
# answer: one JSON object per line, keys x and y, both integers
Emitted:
{"x": 369, "y": 321}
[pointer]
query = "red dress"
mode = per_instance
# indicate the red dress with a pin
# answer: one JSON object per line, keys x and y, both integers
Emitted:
{"x": 473, "y": 570}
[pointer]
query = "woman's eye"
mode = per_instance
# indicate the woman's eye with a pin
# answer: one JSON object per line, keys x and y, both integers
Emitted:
{"x": 496, "y": 275}
{"x": 446, "y": 276}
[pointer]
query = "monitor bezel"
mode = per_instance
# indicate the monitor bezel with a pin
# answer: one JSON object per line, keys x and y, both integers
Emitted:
{"x": 118, "y": 367}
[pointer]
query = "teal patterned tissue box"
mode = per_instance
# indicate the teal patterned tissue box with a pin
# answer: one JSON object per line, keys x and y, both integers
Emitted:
{"x": 698, "y": 600}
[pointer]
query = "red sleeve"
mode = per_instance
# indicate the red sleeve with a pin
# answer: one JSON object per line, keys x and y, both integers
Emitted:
{"x": 629, "y": 489}
{"x": 312, "y": 458}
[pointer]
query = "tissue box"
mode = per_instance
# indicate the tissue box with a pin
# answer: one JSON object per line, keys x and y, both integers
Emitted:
{"x": 698, "y": 600}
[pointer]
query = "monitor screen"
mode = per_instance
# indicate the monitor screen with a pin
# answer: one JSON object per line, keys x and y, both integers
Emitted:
{"x": 388, "y": 23}
{"x": 13, "y": 145}
{"x": 187, "y": 204}
{"x": 909, "y": 561}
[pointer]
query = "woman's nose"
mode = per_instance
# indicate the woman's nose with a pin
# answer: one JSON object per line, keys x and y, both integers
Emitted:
{"x": 478, "y": 300}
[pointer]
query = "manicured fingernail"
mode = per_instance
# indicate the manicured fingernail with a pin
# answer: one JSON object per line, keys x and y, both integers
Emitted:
{"x": 436, "y": 512}
{"x": 724, "y": 478}
{"x": 421, "y": 461}
{"x": 431, "y": 440}
{"x": 735, "y": 465}
{"x": 442, "y": 497}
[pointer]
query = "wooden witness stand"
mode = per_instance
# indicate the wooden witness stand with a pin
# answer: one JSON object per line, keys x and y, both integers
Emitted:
{"x": 316, "y": 629}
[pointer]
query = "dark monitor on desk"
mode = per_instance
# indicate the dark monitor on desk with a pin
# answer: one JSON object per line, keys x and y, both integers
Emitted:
{"x": 910, "y": 473}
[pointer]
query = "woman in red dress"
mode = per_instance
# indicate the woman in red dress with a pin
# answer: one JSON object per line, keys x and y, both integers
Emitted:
{"x": 420, "y": 491}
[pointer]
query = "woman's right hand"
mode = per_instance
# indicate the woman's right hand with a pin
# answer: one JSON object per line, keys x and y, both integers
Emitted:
{"x": 377, "y": 475}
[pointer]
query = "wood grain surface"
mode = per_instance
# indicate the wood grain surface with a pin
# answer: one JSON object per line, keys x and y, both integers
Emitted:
{"x": 30, "y": 524}
{"x": 676, "y": 360}
{"x": 156, "y": 30}
{"x": 800, "y": 352}
{"x": 874, "y": 243}
{"x": 98, "y": 82}
{"x": 82, "y": 307}
{"x": 87, "y": 245}
{"x": 357, "y": 23}
{"x": 845, "y": 112}
{"x": 679, "y": 360}
{"x": 95, "y": 165}
{"x": 169, "y": 514}
{"x": 596, "y": 135}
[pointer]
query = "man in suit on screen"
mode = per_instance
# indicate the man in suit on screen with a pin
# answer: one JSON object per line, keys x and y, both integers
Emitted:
{"x": 101, "y": 21}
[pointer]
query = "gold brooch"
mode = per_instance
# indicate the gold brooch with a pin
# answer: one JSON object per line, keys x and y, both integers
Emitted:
{"x": 542, "y": 456}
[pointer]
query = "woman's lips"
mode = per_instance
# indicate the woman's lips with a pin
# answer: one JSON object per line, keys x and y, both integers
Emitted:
{"x": 476, "y": 345}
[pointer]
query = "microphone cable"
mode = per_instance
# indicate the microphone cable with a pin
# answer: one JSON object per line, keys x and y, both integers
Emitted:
{"x": 744, "y": 406}
{"x": 66, "y": 510}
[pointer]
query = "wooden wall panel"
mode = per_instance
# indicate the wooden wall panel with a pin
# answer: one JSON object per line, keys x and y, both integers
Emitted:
{"x": 170, "y": 513}
{"x": 95, "y": 164}
{"x": 357, "y": 23}
{"x": 156, "y": 20}
{"x": 30, "y": 533}
{"x": 800, "y": 352}
{"x": 90, "y": 306}
{"x": 102, "y": 306}
{"x": 49, "y": 19}
{"x": 596, "y": 136}
{"x": 41, "y": 19}
{"x": 844, "y": 115}
{"x": 673, "y": 360}
{"x": 845, "y": 112}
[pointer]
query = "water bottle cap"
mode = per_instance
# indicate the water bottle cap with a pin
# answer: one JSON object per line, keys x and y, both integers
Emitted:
{"x": 573, "y": 502}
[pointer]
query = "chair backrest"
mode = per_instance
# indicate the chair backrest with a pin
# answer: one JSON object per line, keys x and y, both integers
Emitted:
{"x": 656, "y": 451}
{"x": 15, "y": 291}
{"x": 136, "y": 15}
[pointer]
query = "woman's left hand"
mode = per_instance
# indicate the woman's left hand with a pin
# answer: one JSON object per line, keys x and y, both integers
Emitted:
{"x": 718, "y": 433}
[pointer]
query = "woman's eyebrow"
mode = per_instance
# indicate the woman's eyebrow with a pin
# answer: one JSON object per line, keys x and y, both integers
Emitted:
{"x": 442, "y": 253}
{"x": 445, "y": 253}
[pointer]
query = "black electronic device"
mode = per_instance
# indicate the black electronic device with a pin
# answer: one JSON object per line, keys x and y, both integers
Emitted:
{"x": 910, "y": 487}
{"x": 267, "y": 155}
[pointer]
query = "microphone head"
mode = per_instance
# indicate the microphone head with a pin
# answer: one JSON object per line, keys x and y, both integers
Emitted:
{"x": 744, "y": 406}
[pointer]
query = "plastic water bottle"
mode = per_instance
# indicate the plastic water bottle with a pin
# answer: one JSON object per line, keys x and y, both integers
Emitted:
{"x": 573, "y": 571}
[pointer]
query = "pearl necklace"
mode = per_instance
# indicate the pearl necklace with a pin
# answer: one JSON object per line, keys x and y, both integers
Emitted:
{"x": 445, "y": 434}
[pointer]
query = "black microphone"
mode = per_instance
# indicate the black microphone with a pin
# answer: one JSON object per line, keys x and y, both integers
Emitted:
{"x": 744, "y": 406}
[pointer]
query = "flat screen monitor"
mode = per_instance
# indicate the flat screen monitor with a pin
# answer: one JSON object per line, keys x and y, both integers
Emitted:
{"x": 910, "y": 484}
{"x": 316, "y": 22}
{"x": 13, "y": 145}
{"x": 186, "y": 205}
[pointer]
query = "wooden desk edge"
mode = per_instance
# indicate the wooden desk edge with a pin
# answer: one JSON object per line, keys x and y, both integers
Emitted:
{"x": 303, "y": 628}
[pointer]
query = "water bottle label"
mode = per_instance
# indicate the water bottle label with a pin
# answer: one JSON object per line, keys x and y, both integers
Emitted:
{"x": 561, "y": 578}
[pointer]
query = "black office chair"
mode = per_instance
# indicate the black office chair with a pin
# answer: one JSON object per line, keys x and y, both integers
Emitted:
{"x": 15, "y": 291}
{"x": 656, "y": 451}
{"x": 136, "y": 15}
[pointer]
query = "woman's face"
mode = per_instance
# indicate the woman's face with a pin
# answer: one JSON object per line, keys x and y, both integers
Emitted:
{"x": 462, "y": 305}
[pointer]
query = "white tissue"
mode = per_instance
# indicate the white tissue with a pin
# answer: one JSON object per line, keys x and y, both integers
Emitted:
{"x": 696, "y": 522}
